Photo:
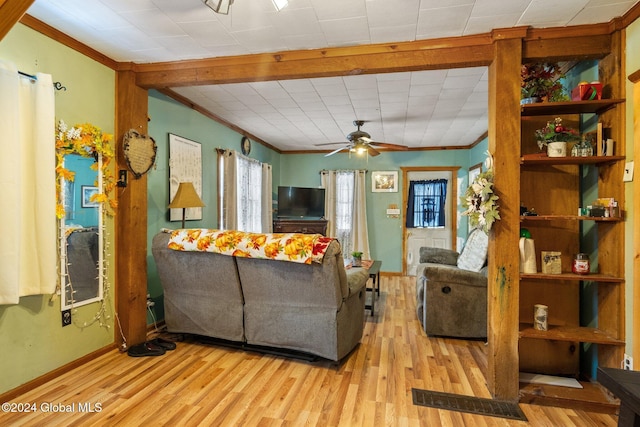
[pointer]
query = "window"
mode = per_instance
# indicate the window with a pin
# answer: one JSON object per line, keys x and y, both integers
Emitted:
{"x": 425, "y": 204}
{"x": 244, "y": 193}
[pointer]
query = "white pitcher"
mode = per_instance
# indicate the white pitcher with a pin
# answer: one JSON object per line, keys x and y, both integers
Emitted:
{"x": 527, "y": 256}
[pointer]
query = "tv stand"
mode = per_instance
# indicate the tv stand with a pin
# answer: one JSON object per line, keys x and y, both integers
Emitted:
{"x": 306, "y": 226}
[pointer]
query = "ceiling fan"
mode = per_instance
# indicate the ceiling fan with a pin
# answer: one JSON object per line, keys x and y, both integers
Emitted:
{"x": 360, "y": 142}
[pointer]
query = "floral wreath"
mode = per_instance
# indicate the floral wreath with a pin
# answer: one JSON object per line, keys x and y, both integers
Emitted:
{"x": 479, "y": 202}
{"x": 87, "y": 141}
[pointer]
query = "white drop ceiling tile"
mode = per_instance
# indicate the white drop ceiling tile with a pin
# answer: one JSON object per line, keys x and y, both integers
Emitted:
{"x": 394, "y": 86}
{"x": 227, "y": 50}
{"x": 491, "y": 8}
{"x": 484, "y": 24}
{"x": 461, "y": 82}
{"x": 428, "y": 77}
{"x": 346, "y": 32}
{"x": 339, "y": 9}
{"x": 208, "y": 33}
{"x": 437, "y": 4}
{"x": 182, "y": 45}
{"x": 358, "y": 82}
{"x": 363, "y": 94}
{"x": 384, "y": 13}
{"x": 259, "y": 40}
{"x": 282, "y": 103}
{"x": 305, "y": 41}
{"x": 551, "y": 12}
{"x": 297, "y": 85}
{"x": 400, "y": 98}
{"x": 154, "y": 23}
{"x": 330, "y": 101}
{"x": 341, "y": 110}
{"x": 446, "y": 21}
{"x": 295, "y": 22}
{"x": 332, "y": 90}
{"x": 131, "y": 39}
{"x": 131, "y": 5}
{"x": 593, "y": 13}
{"x": 399, "y": 33}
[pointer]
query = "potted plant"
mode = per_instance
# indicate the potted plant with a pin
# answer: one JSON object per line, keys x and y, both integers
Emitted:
{"x": 356, "y": 258}
{"x": 541, "y": 82}
{"x": 555, "y": 136}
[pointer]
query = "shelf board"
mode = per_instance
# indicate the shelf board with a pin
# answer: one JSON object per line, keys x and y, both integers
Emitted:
{"x": 591, "y": 277}
{"x": 525, "y": 218}
{"x": 593, "y": 397}
{"x": 570, "y": 334}
{"x": 569, "y": 107}
{"x": 541, "y": 159}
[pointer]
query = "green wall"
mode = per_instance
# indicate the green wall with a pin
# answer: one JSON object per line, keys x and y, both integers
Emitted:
{"x": 171, "y": 117}
{"x": 32, "y": 340}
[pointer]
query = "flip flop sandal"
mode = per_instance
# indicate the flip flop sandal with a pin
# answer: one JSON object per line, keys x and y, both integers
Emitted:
{"x": 163, "y": 343}
{"x": 145, "y": 349}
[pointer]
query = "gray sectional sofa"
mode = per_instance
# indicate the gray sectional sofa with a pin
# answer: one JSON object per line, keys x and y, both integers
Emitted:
{"x": 316, "y": 309}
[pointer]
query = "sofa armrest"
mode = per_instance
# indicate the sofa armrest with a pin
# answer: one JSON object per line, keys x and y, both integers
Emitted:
{"x": 438, "y": 273}
{"x": 357, "y": 279}
{"x": 438, "y": 256}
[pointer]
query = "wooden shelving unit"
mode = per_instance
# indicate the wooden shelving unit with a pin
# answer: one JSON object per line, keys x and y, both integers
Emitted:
{"x": 553, "y": 187}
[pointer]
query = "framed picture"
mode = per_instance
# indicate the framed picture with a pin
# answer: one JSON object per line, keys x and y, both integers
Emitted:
{"x": 384, "y": 182}
{"x": 87, "y": 192}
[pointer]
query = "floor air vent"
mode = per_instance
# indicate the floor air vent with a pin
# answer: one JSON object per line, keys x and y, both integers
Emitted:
{"x": 469, "y": 404}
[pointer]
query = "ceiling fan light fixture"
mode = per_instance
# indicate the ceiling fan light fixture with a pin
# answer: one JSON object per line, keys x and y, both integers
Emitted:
{"x": 219, "y": 6}
{"x": 280, "y": 4}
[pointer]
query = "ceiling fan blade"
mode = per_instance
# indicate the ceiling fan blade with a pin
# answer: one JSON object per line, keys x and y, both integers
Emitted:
{"x": 389, "y": 146}
{"x": 336, "y": 151}
{"x": 372, "y": 151}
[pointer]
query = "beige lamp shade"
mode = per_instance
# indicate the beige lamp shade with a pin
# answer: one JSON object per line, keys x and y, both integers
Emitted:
{"x": 186, "y": 197}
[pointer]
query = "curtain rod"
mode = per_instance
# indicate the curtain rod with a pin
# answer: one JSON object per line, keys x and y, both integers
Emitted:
{"x": 343, "y": 170}
{"x": 56, "y": 85}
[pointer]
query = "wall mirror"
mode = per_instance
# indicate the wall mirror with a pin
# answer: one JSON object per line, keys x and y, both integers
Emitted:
{"x": 81, "y": 235}
{"x": 84, "y": 180}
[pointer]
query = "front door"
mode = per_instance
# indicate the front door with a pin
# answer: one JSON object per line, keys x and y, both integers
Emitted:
{"x": 440, "y": 236}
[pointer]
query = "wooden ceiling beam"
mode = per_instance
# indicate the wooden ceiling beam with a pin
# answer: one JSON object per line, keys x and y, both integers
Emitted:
{"x": 10, "y": 13}
{"x": 436, "y": 54}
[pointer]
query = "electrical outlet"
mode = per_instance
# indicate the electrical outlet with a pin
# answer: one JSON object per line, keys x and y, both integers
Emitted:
{"x": 628, "y": 172}
{"x": 66, "y": 318}
{"x": 627, "y": 363}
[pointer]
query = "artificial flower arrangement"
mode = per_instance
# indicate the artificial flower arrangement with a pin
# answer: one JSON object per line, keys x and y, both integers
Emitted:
{"x": 555, "y": 131}
{"x": 88, "y": 141}
{"x": 542, "y": 81}
{"x": 479, "y": 202}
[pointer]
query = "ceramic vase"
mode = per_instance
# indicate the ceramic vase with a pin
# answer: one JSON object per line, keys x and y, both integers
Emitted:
{"x": 557, "y": 149}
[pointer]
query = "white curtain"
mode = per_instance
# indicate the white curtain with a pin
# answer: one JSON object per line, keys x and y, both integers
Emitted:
{"x": 228, "y": 177}
{"x": 345, "y": 209}
{"x": 267, "y": 203}
{"x": 28, "y": 245}
{"x": 360, "y": 232}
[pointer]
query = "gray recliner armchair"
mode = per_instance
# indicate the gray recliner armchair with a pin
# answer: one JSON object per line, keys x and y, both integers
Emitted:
{"x": 451, "y": 289}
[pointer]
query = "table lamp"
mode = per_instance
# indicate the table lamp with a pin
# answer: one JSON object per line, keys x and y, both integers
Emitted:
{"x": 186, "y": 197}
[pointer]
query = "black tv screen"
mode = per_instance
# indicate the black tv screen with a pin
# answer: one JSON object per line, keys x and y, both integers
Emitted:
{"x": 300, "y": 202}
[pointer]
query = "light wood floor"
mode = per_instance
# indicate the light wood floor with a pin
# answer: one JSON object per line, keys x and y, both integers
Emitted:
{"x": 213, "y": 386}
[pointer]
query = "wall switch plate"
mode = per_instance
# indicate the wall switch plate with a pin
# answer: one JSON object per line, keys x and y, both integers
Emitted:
{"x": 627, "y": 363}
{"x": 628, "y": 172}
{"x": 66, "y": 318}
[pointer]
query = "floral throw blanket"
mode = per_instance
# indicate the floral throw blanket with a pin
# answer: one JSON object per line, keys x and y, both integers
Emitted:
{"x": 294, "y": 247}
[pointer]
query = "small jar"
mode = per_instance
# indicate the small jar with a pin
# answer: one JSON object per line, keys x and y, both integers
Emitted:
{"x": 581, "y": 264}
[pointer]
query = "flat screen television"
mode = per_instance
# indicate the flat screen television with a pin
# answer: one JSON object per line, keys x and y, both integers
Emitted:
{"x": 300, "y": 202}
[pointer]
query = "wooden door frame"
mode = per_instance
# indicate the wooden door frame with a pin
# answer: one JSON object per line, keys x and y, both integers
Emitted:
{"x": 454, "y": 205}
